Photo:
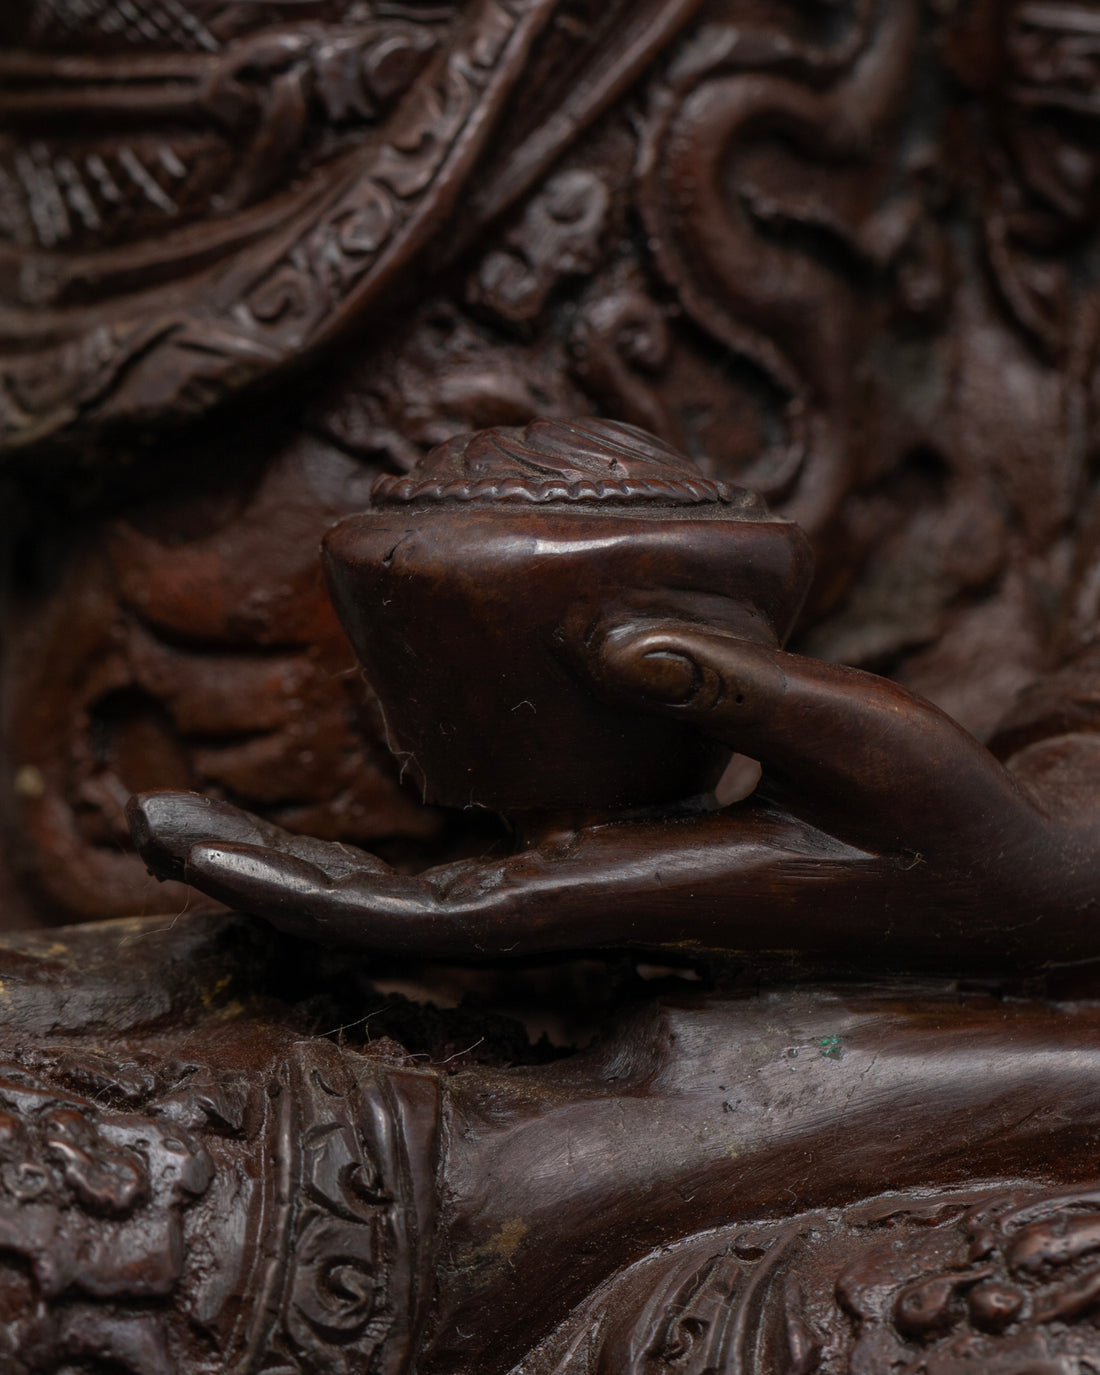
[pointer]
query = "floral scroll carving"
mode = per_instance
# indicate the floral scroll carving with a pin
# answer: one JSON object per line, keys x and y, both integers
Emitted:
{"x": 1007, "y": 1284}
{"x": 91, "y": 1200}
{"x": 345, "y": 1285}
{"x": 263, "y": 305}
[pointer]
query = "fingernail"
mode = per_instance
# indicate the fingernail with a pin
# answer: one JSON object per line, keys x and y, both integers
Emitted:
{"x": 667, "y": 675}
{"x": 253, "y": 865}
{"x": 210, "y": 859}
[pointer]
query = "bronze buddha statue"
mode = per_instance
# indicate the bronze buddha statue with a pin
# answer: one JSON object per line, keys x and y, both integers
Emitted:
{"x": 279, "y": 270}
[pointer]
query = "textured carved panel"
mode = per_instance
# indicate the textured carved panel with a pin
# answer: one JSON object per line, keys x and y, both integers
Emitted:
{"x": 1007, "y": 1284}
{"x": 340, "y": 1284}
{"x": 90, "y": 1201}
{"x": 300, "y": 170}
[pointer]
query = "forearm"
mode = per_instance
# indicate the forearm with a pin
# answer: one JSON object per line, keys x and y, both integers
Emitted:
{"x": 702, "y": 1108}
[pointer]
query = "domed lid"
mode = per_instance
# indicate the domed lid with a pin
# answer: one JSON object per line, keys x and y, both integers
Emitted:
{"x": 574, "y": 462}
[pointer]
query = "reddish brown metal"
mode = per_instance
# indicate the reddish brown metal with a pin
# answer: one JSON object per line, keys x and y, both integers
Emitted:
{"x": 821, "y": 1094}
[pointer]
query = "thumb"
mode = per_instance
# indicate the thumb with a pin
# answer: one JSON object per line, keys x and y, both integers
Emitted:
{"x": 729, "y": 687}
{"x": 847, "y": 750}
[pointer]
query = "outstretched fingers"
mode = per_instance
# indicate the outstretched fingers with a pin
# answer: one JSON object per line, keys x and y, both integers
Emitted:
{"x": 366, "y": 908}
{"x": 712, "y": 883}
{"x": 320, "y": 890}
{"x": 748, "y": 880}
{"x": 167, "y": 825}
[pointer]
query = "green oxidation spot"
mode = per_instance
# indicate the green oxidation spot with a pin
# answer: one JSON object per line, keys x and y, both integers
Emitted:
{"x": 831, "y": 1048}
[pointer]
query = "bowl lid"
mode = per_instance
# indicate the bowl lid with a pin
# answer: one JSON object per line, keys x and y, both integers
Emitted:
{"x": 572, "y": 462}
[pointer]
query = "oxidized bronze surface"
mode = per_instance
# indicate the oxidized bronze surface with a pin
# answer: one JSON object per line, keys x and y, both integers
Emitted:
{"x": 466, "y": 1022}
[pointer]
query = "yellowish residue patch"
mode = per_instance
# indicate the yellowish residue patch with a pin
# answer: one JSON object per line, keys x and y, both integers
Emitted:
{"x": 29, "y": 783}
{"x": 504, "y": 1245}
{"x": 209, "y": 994}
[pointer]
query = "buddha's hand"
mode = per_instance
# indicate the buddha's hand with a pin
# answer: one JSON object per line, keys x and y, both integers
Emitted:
{"x": 881, "y": 830}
